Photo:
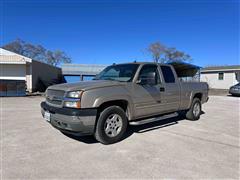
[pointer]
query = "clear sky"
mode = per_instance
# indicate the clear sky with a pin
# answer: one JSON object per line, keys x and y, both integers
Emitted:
{"x": 104, "y": 32}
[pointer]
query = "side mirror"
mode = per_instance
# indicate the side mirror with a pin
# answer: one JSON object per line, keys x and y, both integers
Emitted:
{"x": 142, "y": 81}
{"x": 148, "y": 79}
{"x": 145, "y": 81}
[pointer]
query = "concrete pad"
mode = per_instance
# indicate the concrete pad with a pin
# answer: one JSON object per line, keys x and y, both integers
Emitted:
{"x": 175, "y": 148}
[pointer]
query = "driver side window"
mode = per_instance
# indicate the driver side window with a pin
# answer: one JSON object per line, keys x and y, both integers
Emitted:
{"x": 149, "y": 75}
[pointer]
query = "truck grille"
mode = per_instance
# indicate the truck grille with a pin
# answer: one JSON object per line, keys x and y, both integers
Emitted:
{"x": 55, "y": 97}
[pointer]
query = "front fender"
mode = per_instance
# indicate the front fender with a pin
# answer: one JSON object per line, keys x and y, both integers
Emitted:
{"x": 96, "y": 97}
{"x": 130, "y": 109}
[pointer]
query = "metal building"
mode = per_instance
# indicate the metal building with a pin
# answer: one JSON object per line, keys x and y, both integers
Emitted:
{"x": 19, "y": 73}
{"x": 82, "y": 70}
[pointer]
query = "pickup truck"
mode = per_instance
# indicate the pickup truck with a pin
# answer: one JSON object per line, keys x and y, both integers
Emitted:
{"x": 122, "y": 95}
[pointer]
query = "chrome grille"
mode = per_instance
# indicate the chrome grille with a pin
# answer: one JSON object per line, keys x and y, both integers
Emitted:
{"x": 55, "y": 97}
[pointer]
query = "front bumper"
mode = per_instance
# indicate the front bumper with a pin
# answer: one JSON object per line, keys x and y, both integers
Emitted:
{"x": 70, "y": 120}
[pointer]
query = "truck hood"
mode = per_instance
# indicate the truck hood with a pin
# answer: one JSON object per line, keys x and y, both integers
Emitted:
{"x": 86, "y": 85}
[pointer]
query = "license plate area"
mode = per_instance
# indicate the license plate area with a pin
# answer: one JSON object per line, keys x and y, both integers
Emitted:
{"x": 47, "y": 116}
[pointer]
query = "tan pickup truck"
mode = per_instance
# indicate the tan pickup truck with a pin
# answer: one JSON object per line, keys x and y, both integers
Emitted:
{"x": 122, "y": 95}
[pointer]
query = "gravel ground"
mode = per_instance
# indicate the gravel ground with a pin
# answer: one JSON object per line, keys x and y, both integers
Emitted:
{"x": 174, "y": 148}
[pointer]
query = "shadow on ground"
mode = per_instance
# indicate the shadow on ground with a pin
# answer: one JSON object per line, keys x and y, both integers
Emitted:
{"x": 135, "y": 129}
{"x": 234, "y": 96}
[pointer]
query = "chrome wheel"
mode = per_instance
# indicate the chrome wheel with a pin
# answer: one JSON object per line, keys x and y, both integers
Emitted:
{"x": 113, "y": 125}
{"x": 196, "y": 109}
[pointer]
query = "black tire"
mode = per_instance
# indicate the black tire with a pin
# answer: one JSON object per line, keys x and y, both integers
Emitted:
{"x": 190, "y": 115}
{"x": 100, "y": 133}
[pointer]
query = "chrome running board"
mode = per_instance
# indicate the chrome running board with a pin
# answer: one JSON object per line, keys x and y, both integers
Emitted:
{"x": 145, "y": 121}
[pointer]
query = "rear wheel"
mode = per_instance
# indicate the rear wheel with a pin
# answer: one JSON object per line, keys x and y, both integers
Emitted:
{"x": 195, "y": 110}
{"x": 111, "y": 126}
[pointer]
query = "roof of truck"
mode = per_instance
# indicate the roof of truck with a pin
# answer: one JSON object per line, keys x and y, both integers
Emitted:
{"x": 170, "y": 63}
{"x": 182, "y": 69}
{"x": 221, "y": 68}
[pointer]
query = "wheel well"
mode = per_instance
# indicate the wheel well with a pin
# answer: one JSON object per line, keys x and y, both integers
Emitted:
{"x": 198, "y": 95}
{"x": 121, "y": 103}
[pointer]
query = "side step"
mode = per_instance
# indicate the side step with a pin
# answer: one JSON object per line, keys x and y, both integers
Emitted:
{"x": 145, "y": 121}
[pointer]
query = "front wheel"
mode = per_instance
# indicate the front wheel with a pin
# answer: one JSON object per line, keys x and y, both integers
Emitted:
{"x": 195, "y": 110}
{"x": 111, "y": 125}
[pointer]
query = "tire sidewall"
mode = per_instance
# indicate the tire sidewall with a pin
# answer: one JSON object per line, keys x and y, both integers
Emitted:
{"x": 193, "y": 104}
{"x": 100, "y": 133}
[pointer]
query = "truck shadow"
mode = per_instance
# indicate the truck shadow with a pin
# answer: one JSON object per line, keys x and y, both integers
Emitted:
{"x": 155, "y": 125}
{"x": 135, "y": 129}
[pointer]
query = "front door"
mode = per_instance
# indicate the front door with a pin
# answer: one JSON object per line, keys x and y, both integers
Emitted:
{"x": 147, "y": 92}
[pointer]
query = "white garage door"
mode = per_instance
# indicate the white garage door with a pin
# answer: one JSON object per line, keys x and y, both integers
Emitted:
{"x": 13, "y": 71}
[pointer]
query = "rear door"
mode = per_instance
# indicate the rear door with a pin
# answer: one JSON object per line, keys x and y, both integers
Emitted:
{"x": 171, "y": 89}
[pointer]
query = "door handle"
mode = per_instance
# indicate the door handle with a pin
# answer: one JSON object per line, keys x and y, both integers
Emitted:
{"x": 162, "y": 89}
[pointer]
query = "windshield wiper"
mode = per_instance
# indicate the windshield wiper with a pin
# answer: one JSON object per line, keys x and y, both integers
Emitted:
{"x": 111, "y": 79}
{"x": 108, "y": 78}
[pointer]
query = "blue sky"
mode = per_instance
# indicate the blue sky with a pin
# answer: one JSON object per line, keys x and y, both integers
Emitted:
{"x": 104, "y": 32}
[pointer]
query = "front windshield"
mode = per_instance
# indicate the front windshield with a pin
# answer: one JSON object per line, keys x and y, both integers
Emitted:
{"x": 121, "y": 72}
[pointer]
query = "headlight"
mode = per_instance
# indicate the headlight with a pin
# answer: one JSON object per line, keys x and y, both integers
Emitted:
{"x": 73, "y": 104}
{"x": 73, "y": 99}
{"x": 74, "y": 94}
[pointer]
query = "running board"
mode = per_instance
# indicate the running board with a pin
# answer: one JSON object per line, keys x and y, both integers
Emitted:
{"x": 145, "y": 121}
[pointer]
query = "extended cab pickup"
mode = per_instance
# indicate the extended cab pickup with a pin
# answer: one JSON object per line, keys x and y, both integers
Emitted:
{"x": 122, "y": 94}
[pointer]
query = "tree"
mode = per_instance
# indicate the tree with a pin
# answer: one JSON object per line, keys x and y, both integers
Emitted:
{"x": 157, "y": 50}
{"x": 163, "y": 54}
{"x": 37, "y": 52}
{"x": 173, "y": 55}
{"x": 56, "y": 57}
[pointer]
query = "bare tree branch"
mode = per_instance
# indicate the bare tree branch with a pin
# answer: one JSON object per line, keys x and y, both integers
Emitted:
{"x": 161, "y": 53}
{"x": 38, "y": 52}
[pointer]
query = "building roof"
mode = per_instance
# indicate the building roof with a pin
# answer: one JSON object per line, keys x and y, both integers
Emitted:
{"x": 8, "y": 57}
{"x": 82, "y": 69}
{"x": 221, "y": 68}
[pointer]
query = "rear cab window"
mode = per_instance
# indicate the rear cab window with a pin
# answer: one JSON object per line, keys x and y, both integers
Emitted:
{"x": 168, "y": 74}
